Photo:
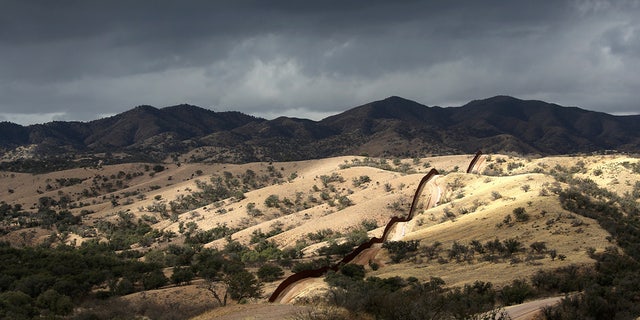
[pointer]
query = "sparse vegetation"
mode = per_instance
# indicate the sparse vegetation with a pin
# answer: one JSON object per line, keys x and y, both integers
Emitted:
{"x": 66, "y": 210}
{"x": 400, "y": 249}
{"x": 357, "y": 182}
{"x": 521, "y": 214}
{"x": 395, "y": 297}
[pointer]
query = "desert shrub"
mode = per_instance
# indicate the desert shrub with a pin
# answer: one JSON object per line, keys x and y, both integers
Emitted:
{"x": 538, "y": 247}
{"x": 203, "y": 237}
{"x": 459, "y": 252}
{"x": 512, "y": 246}
{"x": 471, "y": 299}
{"x": 507, "y": 220}
{"x": 566, "y": 279}
{"x": 448, "y": 214}
{"x": 252, "y": 210}
{"x": 514, "y": 165}
{"x": 294, "y": 252}
{"x": 357, "y": 182}
{"x": 397, "y": 206}
{"x": 272, "y": 201}
{"x": 334, "y": 177}
{"x": 320, "y": 235}
{"x": 494, "y": 246}
{"x": 521, "y": 214}
{"x": 257, "y": 236}
{"x": 335, "y": 249}
{"x": 397, "y": 298}
{"x": 492, "y": 170}
{"x": 369, "y": 224}
{"x": 309, "y": 265}
{"x": 432, "y": 251}
{"x": 456, "y": 184}
{"x": 400, "y": 249}
{"x": 343, "y": 202}
{"x": 477, "y": 246}
{"x": 353, "y": 271}
{"x": 357, "y": 237}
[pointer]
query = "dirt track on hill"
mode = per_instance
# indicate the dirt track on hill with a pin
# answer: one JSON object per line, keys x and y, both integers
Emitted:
{"x": 529, "y": 310}
{"x": 297, "y": 277}
{"x": 367, "y": 251}
{"x": 256, "y": 311}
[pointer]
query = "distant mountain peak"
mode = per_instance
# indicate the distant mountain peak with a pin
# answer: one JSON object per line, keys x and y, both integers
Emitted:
{"x": 397, "y": 99}
{"x": 185, "y": 106}
{"x": 499, "y": 99}
{"x": 394, "y": 126}
{"x": 145, "y": 108}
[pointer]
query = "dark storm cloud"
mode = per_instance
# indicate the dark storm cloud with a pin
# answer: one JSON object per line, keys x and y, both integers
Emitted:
{"x": 84, "y": 59}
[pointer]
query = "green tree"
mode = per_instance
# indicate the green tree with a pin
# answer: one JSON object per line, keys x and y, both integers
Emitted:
{"x": 123, "y": 287}
{"x": 516, "y": 292}
{"x": 243, "y": 285}
{"x": 353, "y": 271}
{"x": 270, "y": 272}
{"x": 16, "y": 305}
{"x": 154, "y": 280}
{"x": 182, "y": 275}
{"x": 54, "y": 302}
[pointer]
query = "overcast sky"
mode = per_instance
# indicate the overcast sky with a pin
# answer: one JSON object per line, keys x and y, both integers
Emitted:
{"x": 82, "y": 60}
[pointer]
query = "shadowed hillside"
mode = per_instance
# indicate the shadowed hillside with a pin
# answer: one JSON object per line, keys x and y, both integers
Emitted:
{"x": 393, "y": 127}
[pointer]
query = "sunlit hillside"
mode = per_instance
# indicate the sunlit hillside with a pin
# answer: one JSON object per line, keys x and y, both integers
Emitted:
{"x": 505, "y": 221}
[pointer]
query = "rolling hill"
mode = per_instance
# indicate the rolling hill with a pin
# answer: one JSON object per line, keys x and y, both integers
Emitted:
{"x": 160, "y": 213}
{"x": 294, "y": 213}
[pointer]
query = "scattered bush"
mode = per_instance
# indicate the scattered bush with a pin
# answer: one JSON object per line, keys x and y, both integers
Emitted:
{"x": 400, "y": 249}
{"x": 521, "y": 214}
{"x": 369, "y": 224}
{"x": 272, "y": 201}
{"x": 357, "y": 182}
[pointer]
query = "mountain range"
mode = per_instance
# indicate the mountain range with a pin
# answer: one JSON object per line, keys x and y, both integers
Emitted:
{"x": 391, "y": 127}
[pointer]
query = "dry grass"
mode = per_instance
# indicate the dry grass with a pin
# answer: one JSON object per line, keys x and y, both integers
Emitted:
{"x": 470, "y": 200}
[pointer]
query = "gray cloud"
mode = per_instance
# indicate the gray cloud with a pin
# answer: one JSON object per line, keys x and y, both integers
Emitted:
{"x": 77, "y": 60}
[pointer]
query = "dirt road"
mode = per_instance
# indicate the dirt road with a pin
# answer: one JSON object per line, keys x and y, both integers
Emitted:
{"x": 530, "y": 309}
{"x": 401, "y": 228}
{"x": 254, "y": 311}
